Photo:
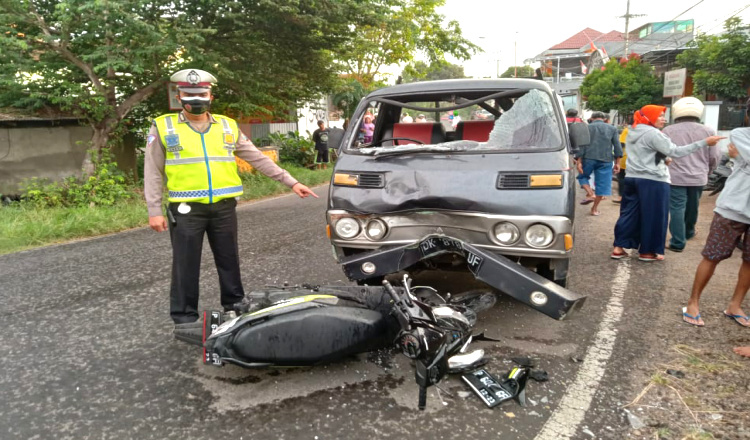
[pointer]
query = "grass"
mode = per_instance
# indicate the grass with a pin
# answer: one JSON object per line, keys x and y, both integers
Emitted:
{"x": 25, "y": 227}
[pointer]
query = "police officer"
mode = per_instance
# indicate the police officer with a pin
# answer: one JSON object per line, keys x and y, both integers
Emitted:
{"x": 195, "y": 150}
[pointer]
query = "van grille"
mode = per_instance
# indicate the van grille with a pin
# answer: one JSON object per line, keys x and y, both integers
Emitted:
{"x": 512, "y": 181}
{"x": 371, "y": 180}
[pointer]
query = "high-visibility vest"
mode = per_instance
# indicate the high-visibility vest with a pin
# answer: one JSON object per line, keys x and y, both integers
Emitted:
{"x": 200, "y": 167}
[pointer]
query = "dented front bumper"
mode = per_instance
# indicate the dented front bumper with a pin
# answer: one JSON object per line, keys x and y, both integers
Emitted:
{"x": 495, "y": 270}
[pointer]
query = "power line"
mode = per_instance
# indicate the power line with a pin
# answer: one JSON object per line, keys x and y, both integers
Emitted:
{"x": 668, "y": 22}
{"x": 674, "y": 50}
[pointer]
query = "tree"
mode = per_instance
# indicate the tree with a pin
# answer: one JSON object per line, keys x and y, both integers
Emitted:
{"x": 720, "y": 64}
{"x": 518, "y": 72}
{"x": 394, "y": 32}
{"x": 348, "y": 94}
{"x": 441, "y": 69}
{"x": 624, "y": 87}
{"x": 99, "y": 60}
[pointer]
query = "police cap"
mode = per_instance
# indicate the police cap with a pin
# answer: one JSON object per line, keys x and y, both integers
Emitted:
{"x": 193, "y": 80}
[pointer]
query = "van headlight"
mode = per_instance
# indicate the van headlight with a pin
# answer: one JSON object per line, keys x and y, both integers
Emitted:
{"x": 506, "y": 233}
{"x": 347, "y": 228}
{"x": 375, "y": 229}
{"x": 539, "y": 236}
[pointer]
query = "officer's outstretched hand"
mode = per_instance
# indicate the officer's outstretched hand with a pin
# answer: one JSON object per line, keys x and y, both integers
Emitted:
{"x": 303, "y": 191}
{"x": 158, "y": 223}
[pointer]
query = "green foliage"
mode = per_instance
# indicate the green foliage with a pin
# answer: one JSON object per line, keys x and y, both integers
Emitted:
{"x": 93, "y": 59}
{"x": 350, "y": 92}
{"x": 440, "y": 69}
{"x": 258, "y": 186}
{"x": 107, "y": 186}
{"x": 622, "y": 87}
{"x": 721, "y": 63}
{"x": 109, "y": 60}
{"x": 293, "y": 148}
{"x": 522, "y": 71}
{"x": 394, "y": 32}
{"x": 23, "y": 225}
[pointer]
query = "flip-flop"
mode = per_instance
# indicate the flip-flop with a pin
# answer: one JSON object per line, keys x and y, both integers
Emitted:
{"x": 595, "y": 213}
{"x": 587, "y": 201}
{"x": 737, "y": 319}
{"x": 650, "y": 258}
{"x": 697, "y": 318}
{"x": 618, "y": 255}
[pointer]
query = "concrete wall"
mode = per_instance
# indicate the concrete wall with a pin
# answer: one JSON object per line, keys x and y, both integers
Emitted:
{"x": 46, "y": 152}
{"x": 52, "y": 153}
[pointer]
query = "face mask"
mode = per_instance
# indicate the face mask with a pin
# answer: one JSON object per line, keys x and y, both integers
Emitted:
{"x": 196, "y": 105}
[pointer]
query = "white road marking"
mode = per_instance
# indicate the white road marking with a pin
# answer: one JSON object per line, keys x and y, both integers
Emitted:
{"x": 577, "y": 399}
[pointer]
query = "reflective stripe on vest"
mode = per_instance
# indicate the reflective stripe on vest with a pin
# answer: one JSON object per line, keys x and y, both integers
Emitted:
{"x": 200, "y": 167}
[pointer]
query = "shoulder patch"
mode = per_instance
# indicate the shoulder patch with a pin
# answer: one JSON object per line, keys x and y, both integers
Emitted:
{"x": 150, "y": 140}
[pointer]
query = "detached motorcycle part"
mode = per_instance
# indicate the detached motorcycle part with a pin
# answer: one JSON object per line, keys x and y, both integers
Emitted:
{"x": 494, "y": 392}
{"x": 496, "y": 270}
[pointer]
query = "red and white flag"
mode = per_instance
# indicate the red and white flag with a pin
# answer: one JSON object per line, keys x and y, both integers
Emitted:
{"x": 584, "y": 69}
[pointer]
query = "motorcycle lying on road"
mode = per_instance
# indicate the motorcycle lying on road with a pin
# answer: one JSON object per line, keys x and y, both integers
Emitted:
{"x": 307, "y": 325}
{"x": 310, "y": 325}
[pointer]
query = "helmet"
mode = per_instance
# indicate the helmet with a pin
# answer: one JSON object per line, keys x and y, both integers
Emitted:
{"x": 687, "y": 107}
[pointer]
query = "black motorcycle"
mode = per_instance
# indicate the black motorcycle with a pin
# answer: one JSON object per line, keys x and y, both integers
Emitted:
{"x": 718, "y": 177}
{"x": 308, "y": 325}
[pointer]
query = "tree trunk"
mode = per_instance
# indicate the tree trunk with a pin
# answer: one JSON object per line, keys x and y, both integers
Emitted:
{"x": 99, "y": 141}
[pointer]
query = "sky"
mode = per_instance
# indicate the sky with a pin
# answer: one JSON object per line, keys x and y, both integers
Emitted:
{"x": 509, "y": 30}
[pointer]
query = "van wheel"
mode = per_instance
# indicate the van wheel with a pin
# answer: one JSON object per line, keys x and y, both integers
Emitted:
{"x": 546, "y": 271}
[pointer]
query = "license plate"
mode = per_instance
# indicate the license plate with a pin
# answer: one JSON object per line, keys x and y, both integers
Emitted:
{"x": 213, "y": 324}
{"x": 486, "y": 387}
{"x": 433, "y": 245}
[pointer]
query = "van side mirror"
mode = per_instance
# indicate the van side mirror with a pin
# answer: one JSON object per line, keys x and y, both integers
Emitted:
{"x": 335, "y": 136}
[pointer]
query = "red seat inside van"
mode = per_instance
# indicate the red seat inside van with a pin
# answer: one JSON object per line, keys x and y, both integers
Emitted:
{"x": 474, "y": 130}
{"x": 427, "y": 133}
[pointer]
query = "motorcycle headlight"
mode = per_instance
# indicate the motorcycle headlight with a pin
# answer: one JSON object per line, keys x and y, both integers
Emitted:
{"x": 506, "y": 233}
{"x": 347, "y": 228}
{"x": 375, "y": 229}
{"x": 539, "y": 236}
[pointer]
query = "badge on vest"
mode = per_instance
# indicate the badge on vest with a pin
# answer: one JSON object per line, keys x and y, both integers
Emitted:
{"x": 173, "y": 143}
{"x": 228, "y": 138}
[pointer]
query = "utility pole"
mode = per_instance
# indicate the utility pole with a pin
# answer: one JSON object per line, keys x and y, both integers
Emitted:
{"x": 627, "y": 17}
{"x": 515, "y": 56}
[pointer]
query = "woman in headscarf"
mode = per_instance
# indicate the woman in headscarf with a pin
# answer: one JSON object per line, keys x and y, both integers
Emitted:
{"x": 644, "y": 211}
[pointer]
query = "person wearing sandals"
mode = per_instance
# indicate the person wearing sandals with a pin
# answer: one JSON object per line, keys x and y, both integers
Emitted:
{"x": 644, "y": 210}
{"x": 730, "y": 229}
{"x": 597, "y": 157}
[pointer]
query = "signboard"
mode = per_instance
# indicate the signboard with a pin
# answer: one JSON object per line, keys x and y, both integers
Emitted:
{"x": 174, "y": 104}
{"x": 674, "y": 82}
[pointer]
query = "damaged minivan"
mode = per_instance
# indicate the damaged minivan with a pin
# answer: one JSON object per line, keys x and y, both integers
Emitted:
{"x": 481, "y": 162}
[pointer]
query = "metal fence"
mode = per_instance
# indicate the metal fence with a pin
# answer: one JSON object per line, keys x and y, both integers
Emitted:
{"x": 732, "y": 116}
{"x": 260, "y": 132}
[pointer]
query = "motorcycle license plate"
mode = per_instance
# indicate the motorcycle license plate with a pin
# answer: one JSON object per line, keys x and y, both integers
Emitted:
{"x": 433, "y": 245}
{"x": 486, "y": 387}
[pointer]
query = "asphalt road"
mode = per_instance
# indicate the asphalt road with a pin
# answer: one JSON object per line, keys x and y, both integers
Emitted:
{"x": 88, "y": 351}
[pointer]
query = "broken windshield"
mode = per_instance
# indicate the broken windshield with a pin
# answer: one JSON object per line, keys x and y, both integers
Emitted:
{"x": 531, "y": 123}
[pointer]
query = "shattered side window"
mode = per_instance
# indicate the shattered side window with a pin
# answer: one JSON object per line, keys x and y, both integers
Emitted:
{"x": 530, "y": 123}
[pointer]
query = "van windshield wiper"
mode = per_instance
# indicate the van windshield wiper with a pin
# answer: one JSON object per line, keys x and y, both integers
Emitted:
{"x": 396, "y": 151}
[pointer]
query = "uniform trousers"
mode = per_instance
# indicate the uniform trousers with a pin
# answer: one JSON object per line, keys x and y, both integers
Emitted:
{"x": 219, "y": 222}
{"x": 644, "y": 215}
